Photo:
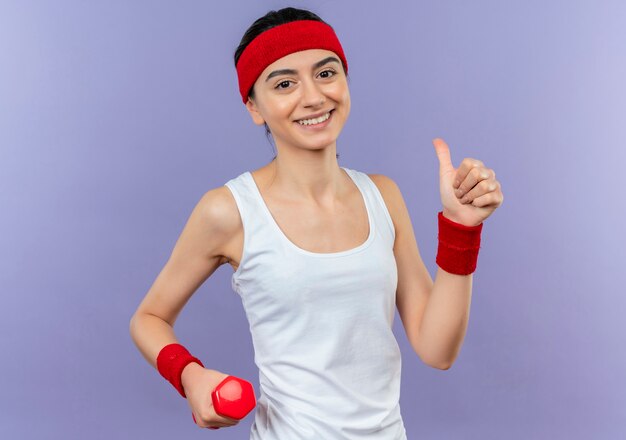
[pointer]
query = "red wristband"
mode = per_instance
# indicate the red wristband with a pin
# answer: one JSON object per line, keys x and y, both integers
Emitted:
{"x": 458, "y": 247}
{"x": 171, "y": 361}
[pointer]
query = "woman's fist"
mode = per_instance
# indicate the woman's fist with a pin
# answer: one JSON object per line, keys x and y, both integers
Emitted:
{"x": 199, "y": 382}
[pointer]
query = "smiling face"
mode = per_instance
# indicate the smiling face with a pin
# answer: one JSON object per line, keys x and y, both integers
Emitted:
{"x": 298, "y": 86}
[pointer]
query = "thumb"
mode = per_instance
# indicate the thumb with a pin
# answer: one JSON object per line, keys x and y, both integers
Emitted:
{"x": 443, "y": 153}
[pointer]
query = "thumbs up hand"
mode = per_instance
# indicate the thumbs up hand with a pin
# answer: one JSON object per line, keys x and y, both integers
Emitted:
{"x": 469, "y": 193}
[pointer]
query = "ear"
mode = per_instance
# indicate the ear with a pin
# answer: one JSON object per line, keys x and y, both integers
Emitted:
{"x": 254, "y": 112}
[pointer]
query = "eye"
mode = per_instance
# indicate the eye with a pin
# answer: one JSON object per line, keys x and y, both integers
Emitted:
{"x": 330, "y": 71}
{"x": 282, "y": 82}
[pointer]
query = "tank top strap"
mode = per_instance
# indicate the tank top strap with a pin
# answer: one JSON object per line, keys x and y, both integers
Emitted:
{"x": 260, "y": 229}
{"x": 258, "y": 235}
{"x": 376, "y": 201}
{"x": 249, "y": 210}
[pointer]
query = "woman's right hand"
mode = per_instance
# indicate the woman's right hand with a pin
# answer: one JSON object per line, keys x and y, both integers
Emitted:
{"x": 198, "y": 383}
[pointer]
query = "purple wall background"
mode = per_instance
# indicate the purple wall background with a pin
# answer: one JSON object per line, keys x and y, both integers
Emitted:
{"x": 115, "y": 117}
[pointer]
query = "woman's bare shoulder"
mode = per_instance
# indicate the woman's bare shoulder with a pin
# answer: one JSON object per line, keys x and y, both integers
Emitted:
{"x": 221, "y": 216}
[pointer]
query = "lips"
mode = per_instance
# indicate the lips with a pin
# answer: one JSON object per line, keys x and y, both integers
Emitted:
{"x": 316, "y": 115}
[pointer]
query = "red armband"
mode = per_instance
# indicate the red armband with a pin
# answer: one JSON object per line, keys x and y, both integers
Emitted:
{"x": 457, "y": 251}
{"x": 171, "y": 361}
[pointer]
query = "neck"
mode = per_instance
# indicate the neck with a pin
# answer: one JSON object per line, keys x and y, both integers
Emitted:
{"x": 302, "y": 174}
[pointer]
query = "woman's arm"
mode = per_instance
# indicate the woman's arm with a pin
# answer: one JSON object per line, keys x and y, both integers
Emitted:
{"x": 445, "y": 319}
{"x": 196, "y": 255}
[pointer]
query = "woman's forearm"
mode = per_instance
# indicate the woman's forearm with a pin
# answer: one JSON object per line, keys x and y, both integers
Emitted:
{"x": 150, "y": 334}
{"x": 445, "y": 319}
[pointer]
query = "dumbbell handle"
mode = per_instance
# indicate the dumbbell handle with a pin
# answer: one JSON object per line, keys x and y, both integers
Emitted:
{"x": 233, "y": 397}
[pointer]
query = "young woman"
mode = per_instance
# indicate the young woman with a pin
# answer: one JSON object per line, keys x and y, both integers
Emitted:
{"x": 322, "y": 255}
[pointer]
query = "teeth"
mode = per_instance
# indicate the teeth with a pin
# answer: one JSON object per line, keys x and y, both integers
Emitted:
{"x": 315, "y": 120}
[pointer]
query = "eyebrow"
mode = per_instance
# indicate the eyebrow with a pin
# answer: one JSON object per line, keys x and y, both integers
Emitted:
{"x": 293, "y": 72}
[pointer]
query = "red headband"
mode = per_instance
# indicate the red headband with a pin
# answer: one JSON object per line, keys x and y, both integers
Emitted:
{"x": 282, "y": 40}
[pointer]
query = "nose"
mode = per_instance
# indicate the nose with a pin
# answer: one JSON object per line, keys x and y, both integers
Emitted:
{"x": 312, "y": 95}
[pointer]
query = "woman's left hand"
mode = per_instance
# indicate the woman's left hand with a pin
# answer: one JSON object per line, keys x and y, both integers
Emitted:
{"x": 470, "y": 193}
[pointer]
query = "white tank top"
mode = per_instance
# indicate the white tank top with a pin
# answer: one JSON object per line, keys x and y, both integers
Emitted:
{"x": 321, "y": 325}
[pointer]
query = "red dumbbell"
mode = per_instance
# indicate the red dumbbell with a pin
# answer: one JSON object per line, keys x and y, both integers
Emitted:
{"x": 233, "y": 397}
